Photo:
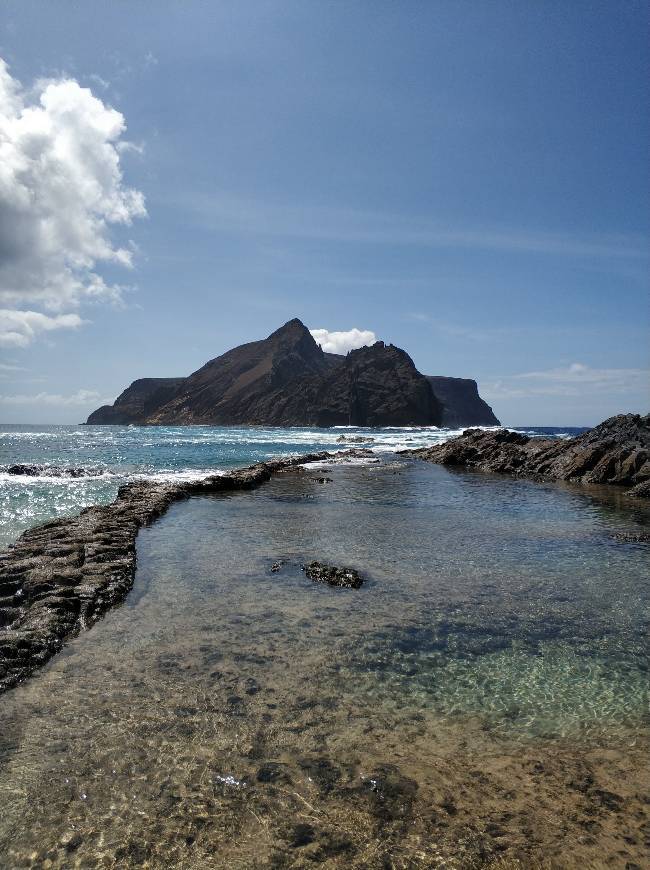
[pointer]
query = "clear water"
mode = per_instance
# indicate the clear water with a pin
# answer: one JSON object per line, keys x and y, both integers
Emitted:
{"x": 118, "y": 454}
{"x": 485, "y": 693}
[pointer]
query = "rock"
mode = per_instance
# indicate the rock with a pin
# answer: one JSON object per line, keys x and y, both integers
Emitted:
{"x": 461, "y": 403}
{"x": 354, "y": 439}
{"x": 345, "y": 578}
{"x": 50, "y": 471}
{"x": 61, "y": 577}
{"x": 615, "y": 452}
{"x": 136, "y": 402}
{"x": 321, "y": 479}
{"x": 287, "y": 380}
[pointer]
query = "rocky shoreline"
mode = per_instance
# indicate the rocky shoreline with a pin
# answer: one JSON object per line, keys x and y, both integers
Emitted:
{"x": 616, "y": 452}
{"x": 61, "y": 577}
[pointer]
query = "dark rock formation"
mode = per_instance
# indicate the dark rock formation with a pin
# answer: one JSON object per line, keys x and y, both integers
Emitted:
{"x": 345, "y": 578}
{"x": 374, "y": 386}
{"x": 287, "y": 380}
{"x": 461, "y": 403}
{"x": 615, "y": 452}
{"x": 22, "y": 469}
{"x": 136, "y": 402}
{"x": 61, "y": 577}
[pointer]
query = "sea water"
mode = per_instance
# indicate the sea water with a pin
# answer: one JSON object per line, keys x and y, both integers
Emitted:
{"x": 113, "y": 455}
{"x": 485, "y": 692}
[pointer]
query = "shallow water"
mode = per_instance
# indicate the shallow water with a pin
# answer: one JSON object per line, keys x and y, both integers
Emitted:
{"x": 117, "y": 454}
{"x": 485, "y": 692}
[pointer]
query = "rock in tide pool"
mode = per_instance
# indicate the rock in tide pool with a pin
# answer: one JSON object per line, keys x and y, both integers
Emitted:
{"x": 345, "y": 578}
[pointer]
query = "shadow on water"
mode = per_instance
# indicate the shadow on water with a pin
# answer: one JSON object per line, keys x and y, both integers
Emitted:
{"x": 490, "y": 678}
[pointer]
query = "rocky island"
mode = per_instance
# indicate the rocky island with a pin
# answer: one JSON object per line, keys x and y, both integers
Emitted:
{"x": 288, "y": 380}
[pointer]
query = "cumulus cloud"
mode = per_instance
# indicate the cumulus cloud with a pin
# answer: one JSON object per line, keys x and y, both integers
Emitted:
{"x": 61, "y": 192}
{"x": 81, "y": 397}
{"x": 342, "y": 342}
{"x": 19, "y": 328}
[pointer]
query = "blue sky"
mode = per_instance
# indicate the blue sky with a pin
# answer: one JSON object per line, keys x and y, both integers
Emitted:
{"x": 469, "y": 181}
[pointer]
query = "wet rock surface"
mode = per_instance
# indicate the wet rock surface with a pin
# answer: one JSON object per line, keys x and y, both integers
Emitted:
{"x": 35, "y": 470}
{"x": 345, "y": 578}
{"x": 615, "y": 452}
{"x": 61, "y": 577}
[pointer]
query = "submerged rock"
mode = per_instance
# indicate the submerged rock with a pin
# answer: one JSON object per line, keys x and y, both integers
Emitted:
{"x": 615, "y": 452}
{"x": 345, "y": 578}
{"x": 23, "y": 469}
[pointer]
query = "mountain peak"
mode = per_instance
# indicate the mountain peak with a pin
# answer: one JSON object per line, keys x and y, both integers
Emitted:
{"x": 295, "y": 326}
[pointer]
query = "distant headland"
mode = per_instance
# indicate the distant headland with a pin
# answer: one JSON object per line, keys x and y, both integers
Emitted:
{"x": 288, "y": 380}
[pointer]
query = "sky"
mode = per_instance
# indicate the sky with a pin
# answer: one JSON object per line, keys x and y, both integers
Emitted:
{"x": 469, "y": 181}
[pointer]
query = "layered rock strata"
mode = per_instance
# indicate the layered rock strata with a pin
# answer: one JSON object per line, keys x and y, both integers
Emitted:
{"x": 61, "y": 577}
{"x": 615, "y": 452}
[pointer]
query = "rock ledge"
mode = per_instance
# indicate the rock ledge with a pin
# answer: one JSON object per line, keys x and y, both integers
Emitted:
{"x": 615, "y": 452}
{"x": 61, "y": 577}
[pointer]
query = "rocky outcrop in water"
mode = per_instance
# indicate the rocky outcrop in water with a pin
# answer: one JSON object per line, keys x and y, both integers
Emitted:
{"x": 61, "y": 577}
{"x": 287, "y": 380}
{"x": 136, "y": 402}
{"x": 615, "y": 452}
{"x": 22, "y": 469}
{"x": 461, "y": 403}
{"x": 344, "y": 578}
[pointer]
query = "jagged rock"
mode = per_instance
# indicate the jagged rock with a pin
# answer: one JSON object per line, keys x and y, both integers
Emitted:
{"x": 346, "y": 578}
{"x": 50, "y": 471}
{"x": 615, "y": 452}
{"x": 287, "y": 380}
{"x": 354, "y": 439}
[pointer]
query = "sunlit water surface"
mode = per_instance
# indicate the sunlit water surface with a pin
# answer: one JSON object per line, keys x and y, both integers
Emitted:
{"x": 230, "y": 716}
{"x": 115, "y": 455}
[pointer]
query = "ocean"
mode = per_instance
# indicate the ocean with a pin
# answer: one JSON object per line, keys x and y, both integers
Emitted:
{"x": 109, "y": 456}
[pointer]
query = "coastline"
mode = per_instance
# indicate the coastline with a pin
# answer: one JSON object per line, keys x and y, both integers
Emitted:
{"x": 479, "y": 702}
{"x": 60, "y": 577}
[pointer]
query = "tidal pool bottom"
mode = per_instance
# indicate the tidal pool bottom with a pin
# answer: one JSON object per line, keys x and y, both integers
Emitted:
{"x": 481, "y": 701}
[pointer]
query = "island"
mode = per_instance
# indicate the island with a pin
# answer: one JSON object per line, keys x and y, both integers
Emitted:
{"x": 288, "y": 380}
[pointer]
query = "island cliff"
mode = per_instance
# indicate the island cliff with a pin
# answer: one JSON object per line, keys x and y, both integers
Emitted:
{"x": 287, "y": 380}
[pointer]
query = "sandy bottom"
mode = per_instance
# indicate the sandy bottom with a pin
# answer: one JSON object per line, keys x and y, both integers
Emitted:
{"x": 482, "y": 701}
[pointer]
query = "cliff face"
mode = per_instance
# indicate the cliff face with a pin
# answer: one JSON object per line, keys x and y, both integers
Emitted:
{"x": 461, "y": 403}
{"x": 287, "y": 380}
{"x": 137, "y": 401}
{"x": 375, "y": 386}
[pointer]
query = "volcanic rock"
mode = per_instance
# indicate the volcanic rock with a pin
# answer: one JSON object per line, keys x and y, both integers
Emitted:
{"x": 345, "y": 578}
{"x": 136, "y": 402}
{"x": 615, "y": 452}
{"x": 61, "y": 577}
{"x": 287, "y": 380}
{"x": 461, "y": 403}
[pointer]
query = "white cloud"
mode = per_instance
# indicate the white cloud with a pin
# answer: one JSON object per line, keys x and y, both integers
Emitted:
{"x": 19, "y": 328}
{"x": 61, "y": 191}
{"x": 81, "y": 397}
{"x": 576, "y": 380}
{"x": 342, "y": 342}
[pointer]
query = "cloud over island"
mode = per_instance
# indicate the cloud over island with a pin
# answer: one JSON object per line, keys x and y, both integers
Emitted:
{"x": 343, "y": 341}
